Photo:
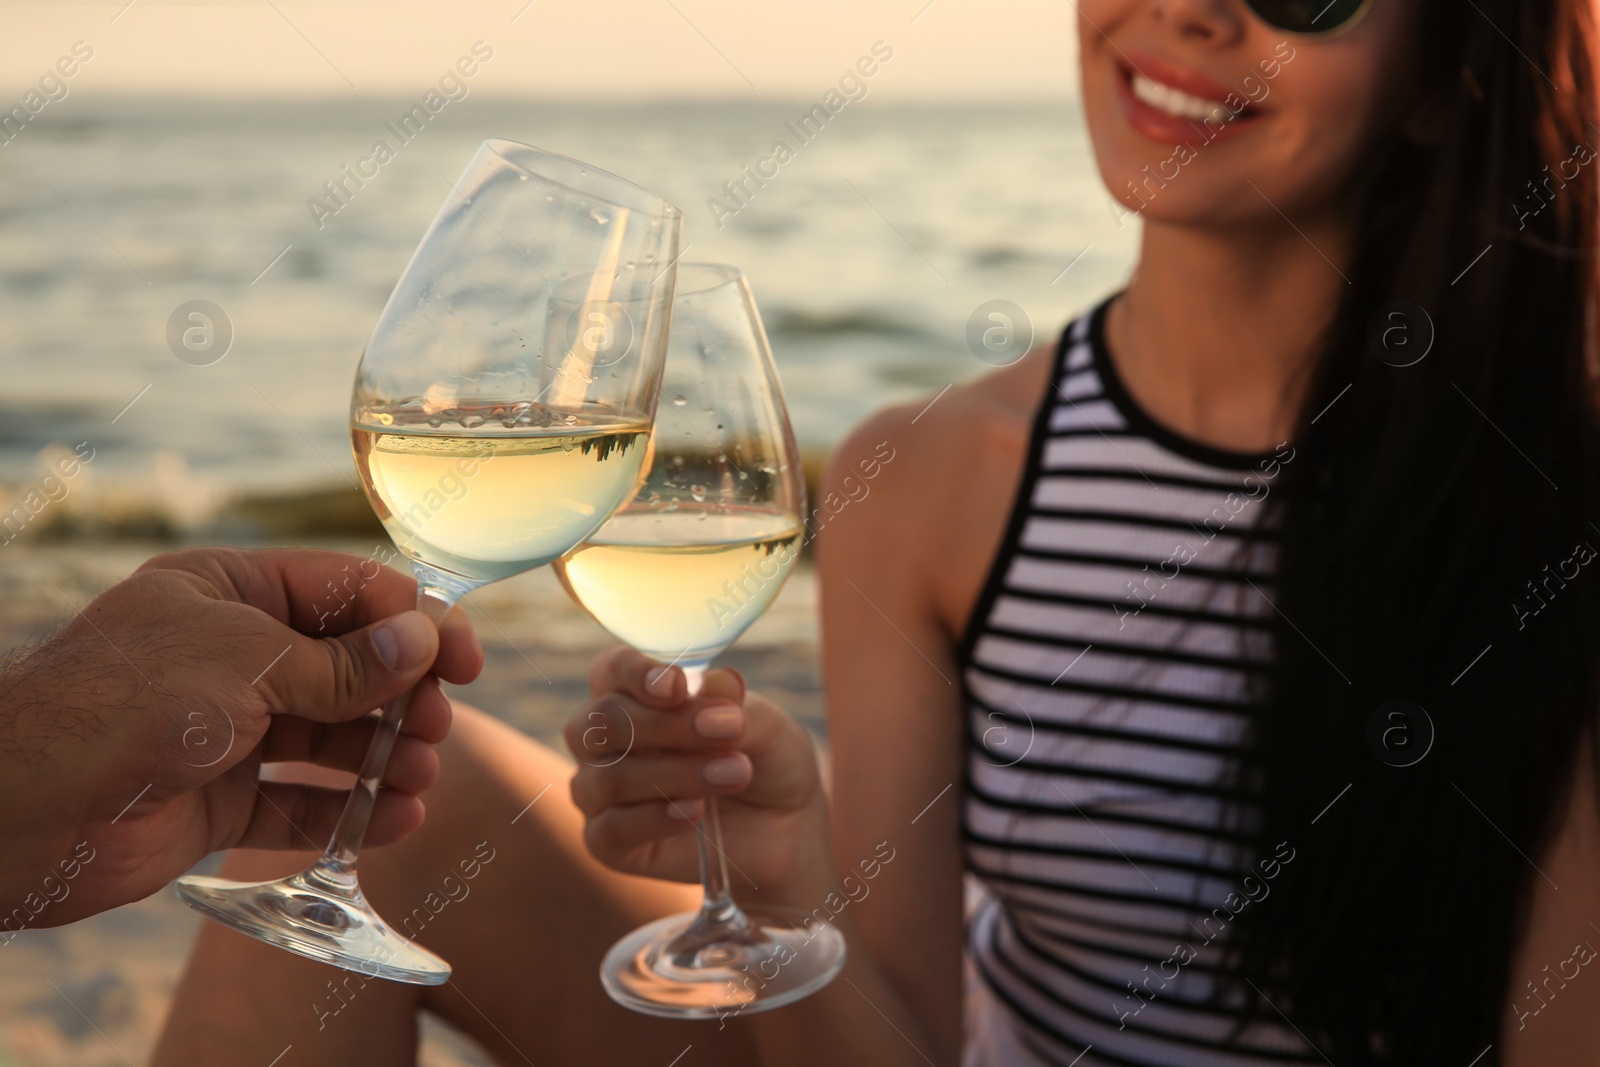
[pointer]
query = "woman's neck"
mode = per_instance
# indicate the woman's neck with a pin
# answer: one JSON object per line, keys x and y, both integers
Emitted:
{"x": 1218, "y": 331}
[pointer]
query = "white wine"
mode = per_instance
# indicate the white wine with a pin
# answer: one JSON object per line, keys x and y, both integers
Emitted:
{"x": 681, "y": 585}
{"x": 487, "y": 501}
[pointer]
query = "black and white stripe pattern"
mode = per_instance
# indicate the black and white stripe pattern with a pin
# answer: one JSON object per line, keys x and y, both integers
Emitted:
{"x": 1106, "y": 674}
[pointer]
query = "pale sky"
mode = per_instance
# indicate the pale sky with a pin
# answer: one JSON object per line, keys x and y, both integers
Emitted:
{"x": 946, "y": 49}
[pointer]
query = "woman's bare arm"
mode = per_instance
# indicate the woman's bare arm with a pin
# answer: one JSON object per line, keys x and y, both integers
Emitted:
{"x": 1555, "y": 1021}
{"x": 909, "y": 513}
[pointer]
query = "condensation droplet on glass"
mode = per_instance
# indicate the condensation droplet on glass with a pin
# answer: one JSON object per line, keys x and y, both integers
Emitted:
{"x": 698, "y": 492}
{"x": 680, "y": 400}
{"x": 473, "y": 421}
{"x": 599, "y": 216}
{"x": 435, "y": 421}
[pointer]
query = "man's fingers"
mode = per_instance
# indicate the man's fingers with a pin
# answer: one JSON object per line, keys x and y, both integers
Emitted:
{"x": 325, "y": 594}
{"x": 413, "y": 764}
{"x": 343, "y": 677}
{"x": 302, "y": 817}
{"x": 310, "y": 590}
{"x": 430, "y": 714}
{"x": 460, "y": 658}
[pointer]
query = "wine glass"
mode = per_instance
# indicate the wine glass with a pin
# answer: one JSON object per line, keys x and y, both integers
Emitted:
{"x": 678, "y": 574}
{"x": 501, "y": 411}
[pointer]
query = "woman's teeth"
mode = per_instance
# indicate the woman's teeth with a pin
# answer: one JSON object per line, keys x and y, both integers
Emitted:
{"x": 1175, "y": 102}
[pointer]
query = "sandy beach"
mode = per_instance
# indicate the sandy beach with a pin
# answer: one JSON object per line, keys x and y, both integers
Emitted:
{"x": 94, "y": 994}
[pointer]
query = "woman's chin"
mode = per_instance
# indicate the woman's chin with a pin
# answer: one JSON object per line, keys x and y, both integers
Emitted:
{"x": 1132, "y": 195}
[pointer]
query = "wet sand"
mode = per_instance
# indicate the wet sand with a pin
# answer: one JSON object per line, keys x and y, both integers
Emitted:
{"x": 94, "y": 994}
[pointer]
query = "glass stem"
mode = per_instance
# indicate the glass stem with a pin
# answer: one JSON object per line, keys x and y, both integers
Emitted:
{"x": 337, "y": 867}
{"x": 718, "y": 912}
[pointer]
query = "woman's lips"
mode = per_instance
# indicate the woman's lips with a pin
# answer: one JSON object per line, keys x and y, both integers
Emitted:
{"x": 1164, "y": 83}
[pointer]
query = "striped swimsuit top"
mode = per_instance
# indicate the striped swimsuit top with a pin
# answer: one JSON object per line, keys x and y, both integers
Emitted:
{"x": 1106, "y": 671}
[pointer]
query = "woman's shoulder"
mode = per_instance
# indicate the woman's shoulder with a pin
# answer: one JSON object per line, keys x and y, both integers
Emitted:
{"x": 929, "y": 483}
{"x": 962, "y": 430}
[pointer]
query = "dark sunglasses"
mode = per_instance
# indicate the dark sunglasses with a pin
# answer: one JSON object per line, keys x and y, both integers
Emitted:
{"x": 1309, "y": 17}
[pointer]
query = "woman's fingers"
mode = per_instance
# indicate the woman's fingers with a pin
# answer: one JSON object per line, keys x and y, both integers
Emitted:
{"x": 618, "y": 737}
{"x": 659, "y": 778}
{"x": 656, "y": 685}
{"x": 725, "y": 683}
{"x": 617, "y": 835}
{"x": 622, "y": 670}
{"x": 616, "y": 726}
{"x": 650, "y": 758}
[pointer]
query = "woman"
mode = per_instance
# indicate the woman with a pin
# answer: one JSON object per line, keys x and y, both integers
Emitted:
{"x": 1240, "y": 647}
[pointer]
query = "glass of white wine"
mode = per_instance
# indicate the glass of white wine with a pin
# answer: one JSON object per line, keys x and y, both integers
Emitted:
{"x": 501, "y": 412}
{"x": 679, "y": 573}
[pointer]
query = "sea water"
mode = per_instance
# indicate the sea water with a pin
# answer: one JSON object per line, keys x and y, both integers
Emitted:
{"x": 869, "y": 252}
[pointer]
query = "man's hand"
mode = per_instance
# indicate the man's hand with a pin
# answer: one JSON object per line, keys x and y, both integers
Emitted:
{"x": 131, "y": 743}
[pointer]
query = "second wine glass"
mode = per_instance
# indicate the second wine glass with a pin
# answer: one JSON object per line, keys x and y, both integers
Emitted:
{"x": 679, "y": 574}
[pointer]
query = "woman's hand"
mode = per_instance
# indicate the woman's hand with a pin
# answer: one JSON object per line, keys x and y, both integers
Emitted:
{"x": 649, "y": 756}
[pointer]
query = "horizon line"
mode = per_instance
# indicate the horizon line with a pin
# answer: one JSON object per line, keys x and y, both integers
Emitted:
{"x": 215, "y": 96}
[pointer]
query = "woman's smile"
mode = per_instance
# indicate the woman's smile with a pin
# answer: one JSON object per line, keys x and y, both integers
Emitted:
{"x": 1173, "y": 105}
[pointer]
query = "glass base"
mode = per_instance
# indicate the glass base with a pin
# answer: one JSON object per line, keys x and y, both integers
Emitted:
{"x": 663, "y": 969}
{"x": 316, "y": 919}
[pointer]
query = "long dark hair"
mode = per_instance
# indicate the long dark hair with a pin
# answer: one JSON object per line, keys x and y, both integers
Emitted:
{"x": 1431, "y": 520}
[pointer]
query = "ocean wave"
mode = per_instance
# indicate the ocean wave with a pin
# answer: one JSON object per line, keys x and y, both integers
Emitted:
{"x": 999, "y": 257}
{"x": 64, "y": 498}
{"x": 31, "y": 282}
{"x": 793, "y": 322}
{"x": 24, "y": 426}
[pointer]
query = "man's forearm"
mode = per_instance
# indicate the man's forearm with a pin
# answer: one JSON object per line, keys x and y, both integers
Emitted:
{"x": 42, "y": 785}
